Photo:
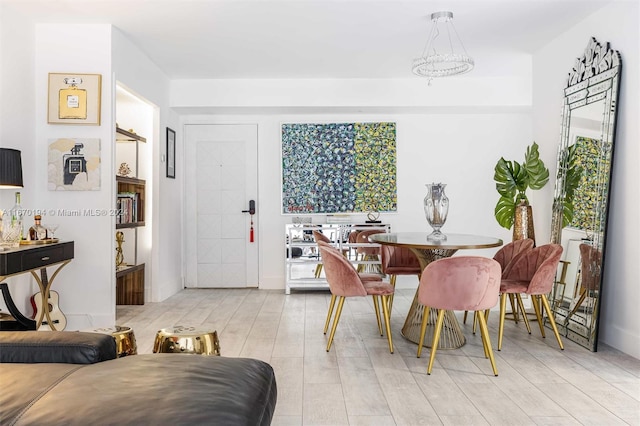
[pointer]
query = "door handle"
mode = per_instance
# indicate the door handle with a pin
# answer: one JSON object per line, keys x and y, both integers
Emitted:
{"x": 252, "y": 208}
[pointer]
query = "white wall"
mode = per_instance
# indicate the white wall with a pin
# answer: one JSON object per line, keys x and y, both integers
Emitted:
{"x": 457, "y": 149}
{"x": 17, "y": 121}
{"x": 138, "y": 74}
{"x": 618, "y": 25}
{"x": 85, "y": 285}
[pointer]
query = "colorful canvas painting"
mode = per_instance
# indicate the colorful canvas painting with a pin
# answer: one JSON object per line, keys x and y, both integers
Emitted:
{"x": 74, "y": 164}
{"x": 338, "y": 168}
{"x": 592, "y": 184}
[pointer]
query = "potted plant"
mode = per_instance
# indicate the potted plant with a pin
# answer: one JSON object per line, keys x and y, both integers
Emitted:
{"x": 512, "y": 181}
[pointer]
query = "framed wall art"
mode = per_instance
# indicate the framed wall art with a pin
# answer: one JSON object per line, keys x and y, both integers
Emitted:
{"x": 338, "y": 168}
{"x": 73, "y": 164}
{"x": 171, "y": 153}
{"x": 74, "y": 98}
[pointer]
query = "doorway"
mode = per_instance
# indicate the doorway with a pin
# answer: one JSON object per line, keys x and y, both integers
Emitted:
{"x": 221, "y": 179}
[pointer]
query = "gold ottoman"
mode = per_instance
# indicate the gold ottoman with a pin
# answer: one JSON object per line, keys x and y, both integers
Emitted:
{"x": 186, "y": 340}
{"x": 124, "y": 337}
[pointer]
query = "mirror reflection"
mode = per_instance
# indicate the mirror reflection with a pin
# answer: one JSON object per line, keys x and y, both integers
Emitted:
{"x": 581, "y": 197}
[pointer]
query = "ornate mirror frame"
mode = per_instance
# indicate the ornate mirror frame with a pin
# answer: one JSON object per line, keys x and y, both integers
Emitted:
{"x": 581, "y": 198}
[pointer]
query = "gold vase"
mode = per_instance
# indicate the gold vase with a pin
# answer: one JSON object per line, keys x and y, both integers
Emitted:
{"x": 523, "y": 222}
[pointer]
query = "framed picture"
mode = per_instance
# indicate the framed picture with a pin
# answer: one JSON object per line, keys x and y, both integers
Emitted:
{"x": 74, "y": 98}
{"x": 74, "y": 164}
{"x": 171, "y": 153}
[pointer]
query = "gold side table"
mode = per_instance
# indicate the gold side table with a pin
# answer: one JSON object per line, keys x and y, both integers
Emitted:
{"x": 124, "y": 337}
{"x": 186, "y": 340}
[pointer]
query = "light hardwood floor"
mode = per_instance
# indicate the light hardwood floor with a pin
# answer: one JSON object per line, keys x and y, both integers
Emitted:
{"x": 360, "y": 383}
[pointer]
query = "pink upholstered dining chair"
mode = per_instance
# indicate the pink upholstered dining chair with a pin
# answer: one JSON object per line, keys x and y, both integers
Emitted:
{"x": 459, "y": 283}
{"x": 534, "y": 274}
{"x": 344, "y": 281}
{"x": 505, "y": 257}
{"x": 398, "y": 261}
{"x": 319, "y": 236}
{"x": 322, "y": 239}
{"x": 367, "y": 253}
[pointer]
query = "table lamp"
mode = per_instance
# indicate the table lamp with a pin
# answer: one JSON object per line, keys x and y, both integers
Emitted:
{"x": 10, "y": 168}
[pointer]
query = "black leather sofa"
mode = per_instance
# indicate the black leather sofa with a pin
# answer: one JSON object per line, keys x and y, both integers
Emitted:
{"x": 74, "y": 378}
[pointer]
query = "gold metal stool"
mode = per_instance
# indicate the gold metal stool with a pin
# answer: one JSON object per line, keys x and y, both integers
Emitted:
{"x": 186, "y": 340}
{"x": 124, "y": 337}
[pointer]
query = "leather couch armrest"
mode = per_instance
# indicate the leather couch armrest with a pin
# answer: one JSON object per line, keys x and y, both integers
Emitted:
{"x": 67, "y": 347}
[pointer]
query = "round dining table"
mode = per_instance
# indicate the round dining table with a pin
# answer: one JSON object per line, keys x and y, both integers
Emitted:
{"x": 427, "y": 250}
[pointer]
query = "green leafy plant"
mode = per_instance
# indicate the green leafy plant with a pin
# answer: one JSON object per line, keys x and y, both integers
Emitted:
{"x": 512, "y": 181}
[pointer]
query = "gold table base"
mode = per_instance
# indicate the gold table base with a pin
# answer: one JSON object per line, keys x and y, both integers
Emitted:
{"x": 180, "y": 339}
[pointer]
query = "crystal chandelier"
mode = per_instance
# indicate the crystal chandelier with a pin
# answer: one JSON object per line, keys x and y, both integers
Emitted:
{"x": 439, "y": 59}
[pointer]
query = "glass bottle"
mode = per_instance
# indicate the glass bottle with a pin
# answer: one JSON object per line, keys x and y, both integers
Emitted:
{"x": 17, "y": 214}
{"x": 37, "y": 231}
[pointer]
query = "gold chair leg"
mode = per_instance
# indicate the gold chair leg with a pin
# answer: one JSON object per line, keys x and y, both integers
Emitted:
{"x": 335, "y": 321}
{"x": 545, "y": 304}
{"x": 514, "y": 310}
{"x": 318, "y": 270}
{"x": 464, "y": 318}
{"x": 423, "y": 329}
{"x": 475, "y": 321}
{"x": 392, "y": 281}
{"x": 387, "y": 320}
{"x": 331, "y": 304}
{"x": 524, "y": 313}
{"x": 503, "y": 308}
{"x": 436, "y": 338}
{"x": 376, "y": 307}
{"x": 536, "y": 308}
{"x": 484, "y": 331}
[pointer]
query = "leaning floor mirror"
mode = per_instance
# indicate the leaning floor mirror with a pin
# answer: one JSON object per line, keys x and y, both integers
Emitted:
{"x": 581, "y": 198}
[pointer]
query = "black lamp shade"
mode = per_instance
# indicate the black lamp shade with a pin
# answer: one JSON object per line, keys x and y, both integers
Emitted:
{"x": 10, "y": 168}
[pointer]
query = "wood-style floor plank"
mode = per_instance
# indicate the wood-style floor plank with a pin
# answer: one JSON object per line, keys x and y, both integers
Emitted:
{"x": 360, "y": 383}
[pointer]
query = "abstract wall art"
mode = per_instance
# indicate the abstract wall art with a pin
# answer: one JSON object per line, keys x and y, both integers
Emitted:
{"x": 338, "y": 168}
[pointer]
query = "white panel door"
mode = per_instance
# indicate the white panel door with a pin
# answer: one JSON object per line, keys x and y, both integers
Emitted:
{"x": 221, "y": 177}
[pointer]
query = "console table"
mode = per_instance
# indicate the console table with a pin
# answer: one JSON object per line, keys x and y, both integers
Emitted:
{"x": 302, "y": 257}
{"x": 33, "y": 258}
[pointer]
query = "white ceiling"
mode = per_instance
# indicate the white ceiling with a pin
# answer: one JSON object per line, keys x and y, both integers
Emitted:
{"x": 311, "y": 39}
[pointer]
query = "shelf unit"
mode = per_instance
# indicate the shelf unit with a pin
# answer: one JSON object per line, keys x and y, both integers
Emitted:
{"x": 130, "y": 276}
{"x": 302, "y": 258}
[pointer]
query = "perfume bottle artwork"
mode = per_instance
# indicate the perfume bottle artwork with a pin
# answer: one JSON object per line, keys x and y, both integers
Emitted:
{"x": 72, "y": 101}
{"x": 74, "y": 164}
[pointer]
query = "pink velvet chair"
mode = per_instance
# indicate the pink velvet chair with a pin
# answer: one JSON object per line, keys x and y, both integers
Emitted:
{"x": 344, "y": 281}
{"x": 322, "y": 239}
{"x": 398, "y": 261}
{"x": 505, "y": 257}
{"x": 319, "y": 236}
{"x": 459, "y": 283}
{"x": 367, "y": 253}
{"x": 534, "y": 274}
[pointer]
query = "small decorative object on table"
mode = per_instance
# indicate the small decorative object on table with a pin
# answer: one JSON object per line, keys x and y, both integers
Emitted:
{"x": 436, "y": 208}
{"x": 124, "y": 170}
{"x": 119, "y": 255}
{"x": 372, "y": 217}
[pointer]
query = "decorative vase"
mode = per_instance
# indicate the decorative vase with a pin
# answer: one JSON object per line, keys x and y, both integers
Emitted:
{"x": 523, "y": 222}
{"x": 436, "y": 208}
